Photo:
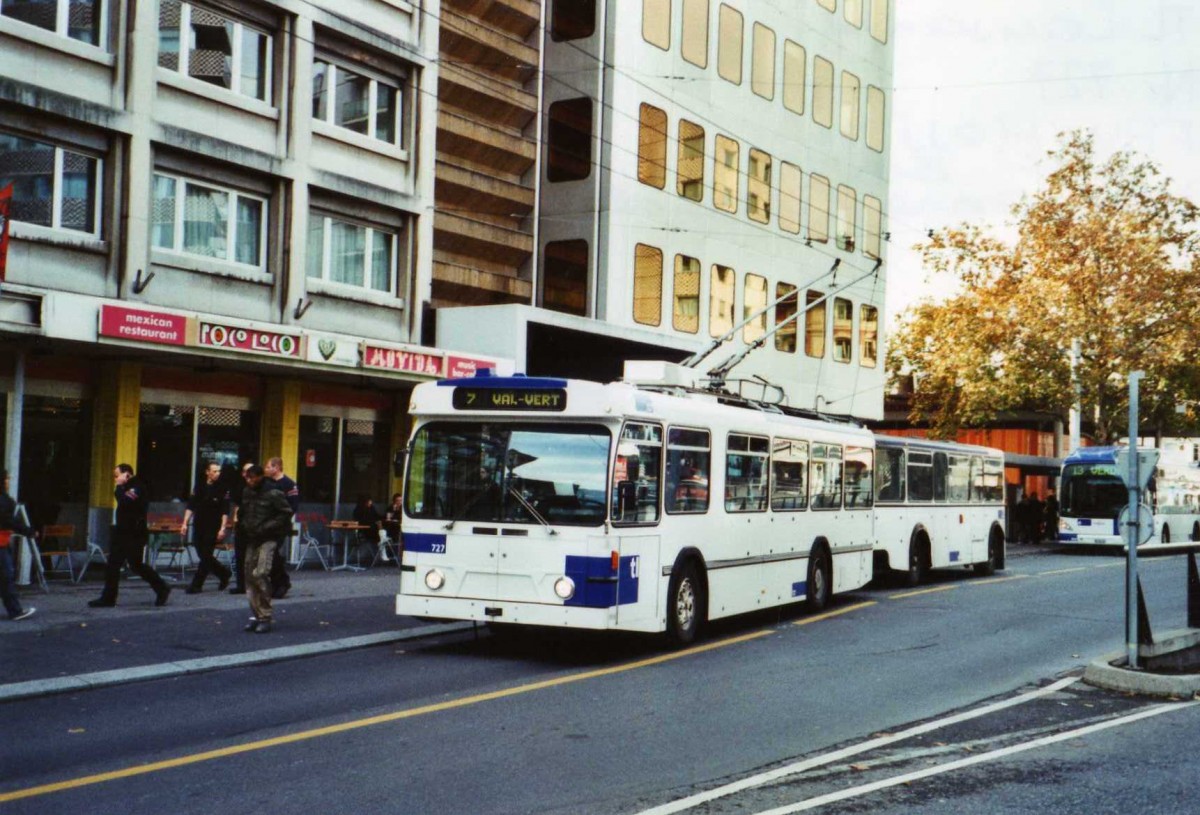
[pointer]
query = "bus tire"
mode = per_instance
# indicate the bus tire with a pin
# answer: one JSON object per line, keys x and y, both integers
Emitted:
{"x": 820, "y": 580}
{"x": 988, "y": 567}
{"x": 918, "y": 562}
{"x": 685, "y": 604}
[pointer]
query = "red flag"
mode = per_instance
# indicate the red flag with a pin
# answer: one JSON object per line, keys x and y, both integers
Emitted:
{"x": 5, "y": 199}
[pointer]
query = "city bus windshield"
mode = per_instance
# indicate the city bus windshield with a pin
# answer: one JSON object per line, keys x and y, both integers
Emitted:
{"x": 508, "y": 473}
{"x": 1092, "y": 491}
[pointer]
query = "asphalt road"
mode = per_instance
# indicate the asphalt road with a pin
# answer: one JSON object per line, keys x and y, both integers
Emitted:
{"x": 569, "y": 723}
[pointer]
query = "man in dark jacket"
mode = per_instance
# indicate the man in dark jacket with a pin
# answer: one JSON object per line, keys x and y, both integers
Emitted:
{"x": 265, "y": 518}
{"x": 8, "y": 577}
{"x": 208, "y": 512}
{"x": 281, "y": 581}
{"x": 128, "y": 540}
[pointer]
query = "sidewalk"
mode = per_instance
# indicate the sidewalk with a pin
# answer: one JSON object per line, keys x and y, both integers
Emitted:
{"x": 69, "y": 646}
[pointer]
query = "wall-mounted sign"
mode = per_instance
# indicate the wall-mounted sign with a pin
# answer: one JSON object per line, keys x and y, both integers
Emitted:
{"x": 404, "y": 360}
{"x": 458, "y": 367}
{"x": 141, "y": 325}
{"x": 250, "y": 340}
{"x": 325, "y": 349}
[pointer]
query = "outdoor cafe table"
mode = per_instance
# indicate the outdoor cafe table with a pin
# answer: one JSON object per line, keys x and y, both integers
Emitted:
{"x": 349, "y": 532}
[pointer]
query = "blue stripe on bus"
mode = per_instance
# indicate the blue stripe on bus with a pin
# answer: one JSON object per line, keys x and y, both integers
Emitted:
{"x": 425, "y": 542}
{"x": 954, "y": 557}
{"x": 800, "y": 589}
{"x": 596, "y": 586}
{"x": 1084, "y": 521}
{"x": 1067, "y": 536}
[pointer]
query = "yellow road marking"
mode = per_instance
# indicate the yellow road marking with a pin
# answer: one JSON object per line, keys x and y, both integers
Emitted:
{"x": 920, "y": 592}
{"x": 224, "y": 752}
{"x": 1062, "y": 571}
{"x": 835, "y": 613}
{"x": 998, "y": 579}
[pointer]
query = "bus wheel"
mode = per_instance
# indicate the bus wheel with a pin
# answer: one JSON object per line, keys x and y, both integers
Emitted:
{"x": 820, "y": 580}
{"x": 988, "y": 567}
{"x": 918, "y": 571}
{"x": 685, "y": 604}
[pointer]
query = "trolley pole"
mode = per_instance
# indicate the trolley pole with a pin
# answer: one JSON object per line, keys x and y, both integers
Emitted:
{"x": 1132, "y": 525}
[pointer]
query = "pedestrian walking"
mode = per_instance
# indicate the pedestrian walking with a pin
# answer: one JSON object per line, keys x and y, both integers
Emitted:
{"x": 208, "y": 512}
{"x": 128, "y": 540}
{"x": 1022, "y": 518}
{"x": 8, "y": 573}
{"x": 266, "y": 520}
{"x": 1051, "y": 512}
{"x": 281, "y": 581}
{"x": 1036, "y": 518}
{"x": 234, "y": 487}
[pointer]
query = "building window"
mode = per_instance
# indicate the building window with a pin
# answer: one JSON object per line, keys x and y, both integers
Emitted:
{"x": 208, "y": 221}
{"x": 656, "y": 23}
{"x": 52, "y": 186}
{"x": 843, "y": 330}
{"x": 846, "y": 205}
{"x": 572, "y": 20}
{"x": 647, "y": 284}
{"x": 785, "y": 311}
{"x": 214, "y": 48}
{"x": 690, "y": 161}
{"x": 754, "y": 300}
{"x": 850, "y": 94}
{"x": 814, "y": 325}
{"x": 795, "y": 72}
{"x": 722, "y": 288}
{"x": 868, "y": 337}
{"x": 729, "y": 44}
{"x": 879, "y": 20}
{"x": 565, "y": 277}
{"x": 828, "y": 5}
{"x": 790, "y": 178}
{"x": 758, "y": 187}
{"x": 852, "y": 11}
{"x": 77, "y": 19}
{"x": 569, "y": 140}
{"x": 823, "y": 92}
{"x": 695, "y": 32}
{"x": 818, "y": 208}
{"x": 652, "y": 146}
{"x": 351, "y": 254}
{"x": 876, "y": 103}
{"x": 725, "y": 174}
{"x": 762, "y": 64}
{"x": 357, "y": 102}
{"x": 872, "y": 227}
{"x": 686, "y": 288}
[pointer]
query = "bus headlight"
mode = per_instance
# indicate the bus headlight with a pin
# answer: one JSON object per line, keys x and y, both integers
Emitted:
{"x": 434, "y": 579}
{"x": 564, "y": 587}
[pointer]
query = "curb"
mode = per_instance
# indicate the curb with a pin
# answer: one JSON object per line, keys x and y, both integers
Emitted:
{"x": 122, "y": 676}
{"x": 1103, "y": 674}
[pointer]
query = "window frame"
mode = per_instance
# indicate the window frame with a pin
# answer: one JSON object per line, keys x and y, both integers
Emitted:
{"x": 372, "y": 229}
{"x": 896, "y": 455}
{"x": 182, "y": 181}
{"x": 726, "y": 59}
{"x": 872, "y": 227}
{"x": 653, "y": 135}
{"x": 705, "y": 451}
{"x": 846, "y": 221}
{"x": 843, "y": 331}
{"x": 795, "y": 84}
{"x": 763, "y": 86}
{"x": 375, "y": 78}
{"x": 848, "y": 118}
{"x": 686, "y": 154}
{"x": 62, "y": 24}
{"x": 691, "y": 15}
{"x": 814, "y": 334}
{"x": 569, "y": 32}
{"x": 757, "y": 328}
{"x": 712, "y": 300}
{"x": 758, "y": 185}
{"x": 822, "y": 92}
{"x": 748, "y": 451}
{"x": 818, "y": 214}
{"x": 878, "y": 22}
{"x": 785, "y": 300}
{"x": 56, "y": 181}
{"x": 876, "y": 118}
{"x": 561, "y": 166}
{"x": 821, "y": 453}
{"x": 657, "y": 25}
{"x": 639, "y": 281}
{"x": 794, "y": 448}
{"x": 658, "y": 506}
{"x": 681, "y": 261}
{"x": 183, "y": 68}
{"x": 789, "y": 172}
{"x": 868, "y": 336}
{"x": 723, "y": 170}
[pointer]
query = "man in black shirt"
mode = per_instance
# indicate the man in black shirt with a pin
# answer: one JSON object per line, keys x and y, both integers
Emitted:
{"x": 208, "y": 511}
{"x": 128, "y": 540}
{"x": 281, "y": 582}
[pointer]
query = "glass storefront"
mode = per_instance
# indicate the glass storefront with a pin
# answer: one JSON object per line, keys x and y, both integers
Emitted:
{"x": 56, "y": 445}
{"x": 175, "y": 443}
{"x": 342, "y": 460}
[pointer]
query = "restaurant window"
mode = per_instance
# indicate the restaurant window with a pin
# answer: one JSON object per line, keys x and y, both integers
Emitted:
{"x": 647, "y": 284}
{"x": 818, "y": 208}
{"x": 789, "y": 475}
{"x": 689, "y": 459}
{"x": 879, "y": 20}
{"x": 762, "y": 62}
{"x": 847, "y": 202}
{"x": 364, "y": 465}
{"x": 690, "y": 162}
{"x": 746, "y": 473}
{"x": 351, "y": 254}
{"x": 790, "y": 178}
{"x": 754, "y": 299}
{"x": 825, "y": 476}
{"x": 317, "y": 476}
{"x": 176, "y": 442}
{"x": 52, "y": 186}
{"x": 656, "y": 23}
{"x": 214, "y": 48}
{"x": 565, "y": 277}
{"x": 652, "y": 146}
{"x": 205, "y": 220}
{"x": 795, "y": 72}
{"x": 721, "y": 293}
{"x": 351, "y": 99}
{"x": 569, "y": 140}
{"x": 814, "y": 325}
{"x": 851, "y": 87}
{"x": 868, "y": 337}
{"x": 872, "y": 227}
{"x": 695, "y": 32}
{"x": 729, "y": 44}
{"x": 823, "y": 92}
{"x": 876, "y": 103}
{"x": 785, "y": 310}
{"x": 758, "y": 187}
{"x": 725, "y": 173}
{"x": 56, "y": 445}
{"x": 843, "y": 330}
{"x": 686, "y": 290}
{"x": 77, "y": 19}
{"x": 572, "y": 20}
{"x": 852, "y": 10}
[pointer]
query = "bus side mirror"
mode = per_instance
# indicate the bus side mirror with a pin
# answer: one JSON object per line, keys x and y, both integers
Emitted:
{"x": 626, "y": 500}
{"x": 398, "y": 464}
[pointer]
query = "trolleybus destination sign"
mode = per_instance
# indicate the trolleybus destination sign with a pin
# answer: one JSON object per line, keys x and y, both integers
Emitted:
{"x": 538, "y": 399}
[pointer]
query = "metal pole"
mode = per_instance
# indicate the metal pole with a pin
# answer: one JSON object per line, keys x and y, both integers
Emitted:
{"x": 1132, "y": 526}
{"x": 16, "y": 411}
{"x": 1074, "y": 431}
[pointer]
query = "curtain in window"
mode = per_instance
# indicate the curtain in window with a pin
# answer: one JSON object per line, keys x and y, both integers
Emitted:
{"x": 205, "y": 221}
{"x": 381, "y": 261}
{"x": 347, "y": 249}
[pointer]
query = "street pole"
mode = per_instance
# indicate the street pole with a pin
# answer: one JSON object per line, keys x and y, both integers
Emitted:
{"x": 1074, "y": 431}
{"x": 1132, "y": 525}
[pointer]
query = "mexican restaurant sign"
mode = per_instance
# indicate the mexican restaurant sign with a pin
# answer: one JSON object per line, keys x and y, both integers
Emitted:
{"x": 250, "y": 340}
{"x": 140, "y": 325}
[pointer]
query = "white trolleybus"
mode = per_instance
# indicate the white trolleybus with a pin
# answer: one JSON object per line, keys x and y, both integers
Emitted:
{"x": 1092, "y": 494}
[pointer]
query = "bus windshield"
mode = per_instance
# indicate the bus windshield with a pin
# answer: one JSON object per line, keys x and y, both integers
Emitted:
{"x": 1092, "y": 491}
{"x": 509, "y": 473}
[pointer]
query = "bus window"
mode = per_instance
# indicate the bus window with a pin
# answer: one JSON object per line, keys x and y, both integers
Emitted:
{"x": 746, "y": 474}
{"x": 789, "y": 466}
{"x": 859, "y": 461}
{"x": 825, "y": 476}
{"x": 636, "y": 474}
{"x": 977, "y": 481}
{"x": 939, "y": 477}
{"x": 689, "y": 457}
{"x": 890, "y": 484}
{"x": 993, "y": 481}
{"x": 920, "y": 476}
{"x": 958, "y": 480}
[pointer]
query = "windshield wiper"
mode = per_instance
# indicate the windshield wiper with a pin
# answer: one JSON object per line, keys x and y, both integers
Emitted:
{"x": 531, "y": 510}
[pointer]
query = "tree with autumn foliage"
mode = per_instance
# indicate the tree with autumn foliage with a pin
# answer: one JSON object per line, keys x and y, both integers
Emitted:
{"x": 1105, "y": 253}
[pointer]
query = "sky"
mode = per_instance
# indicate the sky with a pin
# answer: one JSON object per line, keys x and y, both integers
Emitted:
{"x": 983, "y": 87}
